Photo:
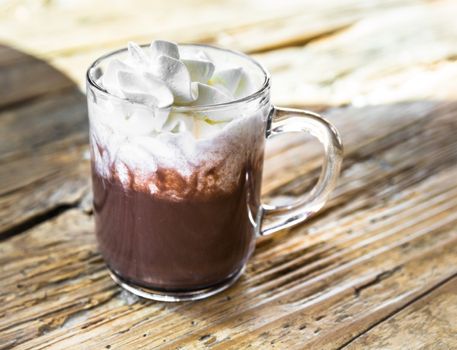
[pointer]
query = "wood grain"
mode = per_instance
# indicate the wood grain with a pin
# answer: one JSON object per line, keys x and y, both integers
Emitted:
{"x": 387, "y": 238}
{"x": 406, "y": 61}
{"x": 385, "y": 58}
{"x": 428, "y": 323}
{"x": 375, "y": 269}
{"x": 44, "y": 134}
{"x": 16, "y": 68}
{"x": 68, "y": 28}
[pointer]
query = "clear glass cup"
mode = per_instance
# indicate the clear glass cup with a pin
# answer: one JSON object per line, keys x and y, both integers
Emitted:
{"x": 177, "y": 216}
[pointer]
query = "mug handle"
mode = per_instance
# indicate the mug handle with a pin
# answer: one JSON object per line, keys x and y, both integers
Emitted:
{"x": 273, "y": 218}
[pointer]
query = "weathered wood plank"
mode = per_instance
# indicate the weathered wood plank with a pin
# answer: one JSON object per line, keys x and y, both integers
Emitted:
{"x": 360, "y": 127}
{"x": 428, "y": 323}
{"x": 408, "y": 61}
{"x": 43, "y": 140}
{"x": 39, "y": 183}
{"x": 43, "y": 79}
{"x": 23, "y": 77}
{"x": 76, "y": 27}
{"x": 398, "y": 55}
{"x": 387, "y": 237}
{"x": 40, "y": 180}
{"x": 54, "y": 118}
{"x": 364, "y": 69}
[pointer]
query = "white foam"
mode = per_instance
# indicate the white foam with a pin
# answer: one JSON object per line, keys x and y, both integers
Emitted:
{"x": 144, "y": 88}
{"x": 160, "y": 76}
{"x": 210, "y": 95}
{"x": 227, "y": 150}
{"x": 138, "y": 57}
{"x": 174, "y": 73}
{"x": 162, "y": 47}
{"x": 134, "y": 140}
{"x": 200, "y": 70}
{"x": 227, "y": 79}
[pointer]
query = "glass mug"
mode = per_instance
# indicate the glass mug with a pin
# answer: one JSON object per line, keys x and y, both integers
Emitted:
{"x": 176, "y": 216}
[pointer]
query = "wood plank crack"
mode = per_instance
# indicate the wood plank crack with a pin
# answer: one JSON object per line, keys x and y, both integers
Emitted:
{"x": 36, "y": 220}
{"x": 378, "y": 279}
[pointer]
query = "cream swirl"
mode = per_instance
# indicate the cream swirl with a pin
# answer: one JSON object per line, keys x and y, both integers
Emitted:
{"x": 160, "y": 77}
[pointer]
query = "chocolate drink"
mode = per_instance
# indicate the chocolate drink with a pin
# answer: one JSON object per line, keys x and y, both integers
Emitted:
{"x": 177, "y": 139}
{"x": 189, "y": 243}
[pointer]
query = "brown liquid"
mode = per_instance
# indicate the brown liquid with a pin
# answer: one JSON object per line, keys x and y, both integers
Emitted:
{"x": 177, "y": 244}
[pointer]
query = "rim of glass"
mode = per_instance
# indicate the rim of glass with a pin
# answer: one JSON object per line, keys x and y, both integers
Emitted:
{"x": 265, "y": 85}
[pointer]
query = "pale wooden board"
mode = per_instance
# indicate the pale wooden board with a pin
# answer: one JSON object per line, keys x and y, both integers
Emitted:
{"x": 54, "y": 28}
{"x": 387, "y": 237}
{"x": 398, "y": 55}
{"x": 412, "y": 57}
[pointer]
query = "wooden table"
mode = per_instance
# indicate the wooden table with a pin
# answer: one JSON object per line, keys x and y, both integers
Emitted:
{"x": 376, "y": 269}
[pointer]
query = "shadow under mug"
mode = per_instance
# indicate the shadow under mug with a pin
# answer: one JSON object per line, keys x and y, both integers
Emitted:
{"x": 176, "y": 216}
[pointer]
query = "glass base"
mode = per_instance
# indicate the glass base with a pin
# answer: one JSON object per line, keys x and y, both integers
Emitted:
{"x": 169, "y": 296}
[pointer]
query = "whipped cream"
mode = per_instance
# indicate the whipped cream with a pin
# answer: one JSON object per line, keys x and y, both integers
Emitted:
{"x": 160, "y": 77}
{"x": 145, "y": 132}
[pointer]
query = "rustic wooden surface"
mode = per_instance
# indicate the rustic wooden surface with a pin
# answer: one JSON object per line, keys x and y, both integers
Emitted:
{"x": 376, "y": 269}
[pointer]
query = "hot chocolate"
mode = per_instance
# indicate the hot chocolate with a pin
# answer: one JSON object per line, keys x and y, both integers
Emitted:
{"x": 175, "y": 244}
{"x": 177, "y": 139}
{"x": 176, "y": 190}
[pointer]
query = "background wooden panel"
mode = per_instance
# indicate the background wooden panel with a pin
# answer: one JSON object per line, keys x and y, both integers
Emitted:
{"x": 373, "y": 267}
{"x": 81, "y": 26}
{"x": 397, "y": 55}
